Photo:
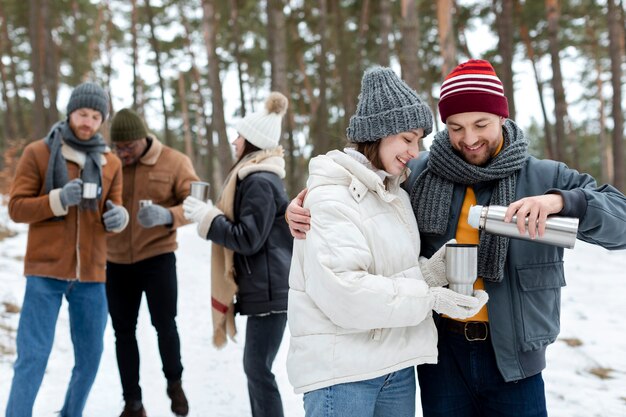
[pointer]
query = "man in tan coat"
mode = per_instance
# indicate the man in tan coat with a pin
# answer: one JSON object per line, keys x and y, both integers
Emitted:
{"x": 68, "y": 188}
{"x": 141, "y": 259}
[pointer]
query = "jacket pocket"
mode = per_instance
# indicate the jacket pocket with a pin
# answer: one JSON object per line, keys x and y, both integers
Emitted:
{"x": 540, "y": 300}
{"x": 159, "y": 187}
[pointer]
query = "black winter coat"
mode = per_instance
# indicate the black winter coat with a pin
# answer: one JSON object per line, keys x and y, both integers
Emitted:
{"x": 260, "y": 238}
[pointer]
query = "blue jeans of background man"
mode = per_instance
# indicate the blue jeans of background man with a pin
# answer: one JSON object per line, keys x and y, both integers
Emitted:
{"x": 126, "y": 283}
{"x": 35, "y": 334}
{"x": 388, "y": 395}
{"x": 466, "y": 382}
{"x": 263, "y": 337}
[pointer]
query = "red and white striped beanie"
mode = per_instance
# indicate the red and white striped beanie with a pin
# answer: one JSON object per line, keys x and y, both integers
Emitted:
{"x": 472, "y": 86}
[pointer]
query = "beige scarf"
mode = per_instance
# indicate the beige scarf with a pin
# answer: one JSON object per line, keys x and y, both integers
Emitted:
{"x": 223, "y": 286}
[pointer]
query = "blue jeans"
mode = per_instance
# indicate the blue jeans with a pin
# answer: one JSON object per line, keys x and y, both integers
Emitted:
{"x": 263, "y": 337}
{"x": 389, "y": 395}
{"x": 35, "y": 334}
{"x": 466, "y": 382}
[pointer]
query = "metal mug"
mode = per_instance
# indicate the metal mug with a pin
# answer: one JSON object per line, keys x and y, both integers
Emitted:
{"x": 144, "y": 203}
{"x": 200, "y": 190}
{"x": 90, "y": 190}
{"x": 461, "y": 267}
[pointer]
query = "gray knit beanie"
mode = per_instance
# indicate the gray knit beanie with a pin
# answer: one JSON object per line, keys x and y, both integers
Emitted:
{"x": 89, "y": 95}
{"x": 387, "y": 106}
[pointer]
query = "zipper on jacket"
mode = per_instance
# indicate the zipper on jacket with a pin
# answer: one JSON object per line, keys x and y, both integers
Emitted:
{"x": 376, "y": 334}
{"x": 247, "y": 265}
{"x": 80, "y": 171}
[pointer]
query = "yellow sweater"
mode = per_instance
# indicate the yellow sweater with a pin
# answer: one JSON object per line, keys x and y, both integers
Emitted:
{"x": 468, "y": 235}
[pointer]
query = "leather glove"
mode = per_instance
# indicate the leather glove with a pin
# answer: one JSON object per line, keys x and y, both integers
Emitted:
{"x": 154, "y": 215}
{"x": 458, "y": 306}
{"x": 114, "y": 216}
{"x": 71, "y": 193}
{"x": 434, "y": 268}
{"x": 194, "y": 210}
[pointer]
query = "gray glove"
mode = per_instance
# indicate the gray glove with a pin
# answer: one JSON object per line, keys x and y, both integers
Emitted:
{"x": 434, "y": 268}
{"x": 154, "y": 215}
{"x": 114, "y": 216}
{"x": 458, "y": 306}
{"x": 71, "y": 193}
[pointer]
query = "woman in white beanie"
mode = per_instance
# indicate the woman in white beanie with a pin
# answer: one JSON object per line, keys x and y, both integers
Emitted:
{"x": 360, "y": 303}
{"x": 251, "y": 250}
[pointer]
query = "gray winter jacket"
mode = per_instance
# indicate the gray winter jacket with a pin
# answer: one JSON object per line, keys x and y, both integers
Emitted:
{"x": 524, "y": 309}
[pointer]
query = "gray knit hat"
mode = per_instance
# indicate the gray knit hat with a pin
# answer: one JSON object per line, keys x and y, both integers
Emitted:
{"x": 91, "y": 96}
{"x": 387, "y": 106}
{"x": 127, "y": 126}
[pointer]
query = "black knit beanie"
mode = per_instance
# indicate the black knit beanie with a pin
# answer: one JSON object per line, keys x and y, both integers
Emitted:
{"x": 91, "y": 96}
{"x": 127, "y": 126}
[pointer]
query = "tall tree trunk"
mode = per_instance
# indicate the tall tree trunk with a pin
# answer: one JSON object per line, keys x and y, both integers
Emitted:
{"x": 506, "y": 27}
{"x": 277, "y": 42}
{"x": 135, "y": 53}
{"x": 348, "y": 95}
{"x": 35, "y": 29}
{"x": 319, "y": 129}
{"x": 384, "y": 19}
{"x": 22, "y": 130}
{"x": 51, "y": 66}
{"x": 606, "y": 157}
{"x": 209, "y": 23}
{"x": 615, "y": 36}
{"x": 560, "y": 105}
{"x": 549, "y": 146}
{"x": 93, "y": 51}
{"x": 184, "y": 114}
{"x": 409, "y": 62}
{"x": 445, "y": 10}
{"x": 204, "y": 148}
{"x": 236, "y": 39}
{"x": 157, "y": 51}
{"x": 9, "y": 120}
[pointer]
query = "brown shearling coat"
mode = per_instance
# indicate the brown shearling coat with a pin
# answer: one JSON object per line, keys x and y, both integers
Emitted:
{"x": 71, "y": 246}
{"x": 163, "y": 175}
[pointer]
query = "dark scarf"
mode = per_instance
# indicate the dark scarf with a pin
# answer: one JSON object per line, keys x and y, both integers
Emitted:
{"x": 431, "y": 195}
{"x": 56, "y": 174}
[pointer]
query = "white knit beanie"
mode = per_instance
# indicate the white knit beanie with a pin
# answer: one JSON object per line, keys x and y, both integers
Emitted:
{"x": 262, "y": 128}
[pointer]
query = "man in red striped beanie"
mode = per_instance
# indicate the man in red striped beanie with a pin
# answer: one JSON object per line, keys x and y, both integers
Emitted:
{"x": 491, "y": 364}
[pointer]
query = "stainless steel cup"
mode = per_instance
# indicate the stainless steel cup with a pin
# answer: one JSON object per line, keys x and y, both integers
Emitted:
{"x": 200, "y": 190}
{"x": 461, "y": 267}
{"x": 90, "y": 190}
{"x": 144, "y": 203}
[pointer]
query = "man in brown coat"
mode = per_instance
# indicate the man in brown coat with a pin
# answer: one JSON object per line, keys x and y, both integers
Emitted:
{"x": 141, "y": 259}
{"x": 68, "y": 188}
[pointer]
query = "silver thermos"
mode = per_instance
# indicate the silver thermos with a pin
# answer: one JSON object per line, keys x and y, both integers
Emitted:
{"x": 560, "y": 231}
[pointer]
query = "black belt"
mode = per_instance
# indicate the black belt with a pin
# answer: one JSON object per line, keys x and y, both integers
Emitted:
{"x": 474, "y": 331}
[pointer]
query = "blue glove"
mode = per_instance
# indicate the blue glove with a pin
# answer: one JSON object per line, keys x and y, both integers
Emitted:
{"x": 114, "y": 216}
{"x": 71, "y": 193}
{"x": 154, "y": 215}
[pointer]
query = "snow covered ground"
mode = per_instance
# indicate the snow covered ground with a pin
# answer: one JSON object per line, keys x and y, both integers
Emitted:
{"x": 586, "y": 373}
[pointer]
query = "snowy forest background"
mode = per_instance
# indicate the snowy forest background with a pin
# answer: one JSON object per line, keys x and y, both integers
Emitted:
{"x": 192, "y": 66}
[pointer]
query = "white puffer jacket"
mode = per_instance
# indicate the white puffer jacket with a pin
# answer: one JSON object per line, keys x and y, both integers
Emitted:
{"x": 358, "y": 305}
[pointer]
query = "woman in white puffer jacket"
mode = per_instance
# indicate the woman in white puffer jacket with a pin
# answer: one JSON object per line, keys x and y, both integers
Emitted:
{"x": 360, "y": 310}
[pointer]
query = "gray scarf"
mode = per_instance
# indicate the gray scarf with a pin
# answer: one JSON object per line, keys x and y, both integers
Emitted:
{"x": 56, "y": 174}
{"x": 431, "y": 195}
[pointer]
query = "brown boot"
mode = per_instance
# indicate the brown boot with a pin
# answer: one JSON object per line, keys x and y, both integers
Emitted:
{"x": 133, "y": 409}
{"x": 180, "y": 407}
